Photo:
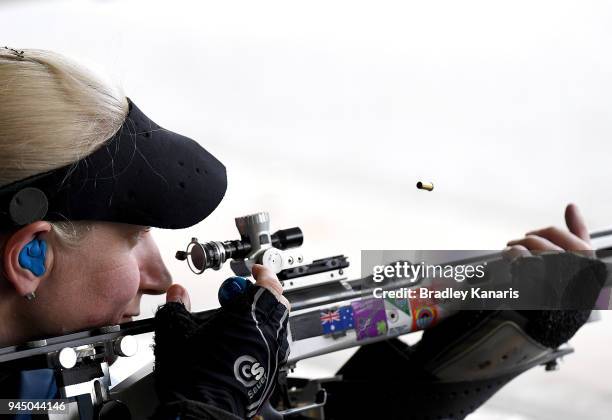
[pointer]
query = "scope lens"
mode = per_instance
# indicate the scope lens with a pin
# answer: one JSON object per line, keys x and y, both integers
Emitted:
{"x": 196, "y": 257}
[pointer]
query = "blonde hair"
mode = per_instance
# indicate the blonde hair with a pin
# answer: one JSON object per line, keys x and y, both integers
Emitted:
{"x": 53, "y": 112}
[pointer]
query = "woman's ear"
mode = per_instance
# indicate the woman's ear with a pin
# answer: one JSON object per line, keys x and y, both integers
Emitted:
{"x": 28, "y": 257}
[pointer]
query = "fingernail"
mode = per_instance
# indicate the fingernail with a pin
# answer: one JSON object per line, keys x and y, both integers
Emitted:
{"x": 174, "y": 297}
{"x": 175, "y": 294}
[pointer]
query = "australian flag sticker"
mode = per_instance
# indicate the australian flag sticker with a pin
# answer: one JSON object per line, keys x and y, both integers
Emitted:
{"x": 337, "y": 320}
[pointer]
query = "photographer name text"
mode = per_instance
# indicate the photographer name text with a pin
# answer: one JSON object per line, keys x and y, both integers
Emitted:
{"x": 444, "y": 294}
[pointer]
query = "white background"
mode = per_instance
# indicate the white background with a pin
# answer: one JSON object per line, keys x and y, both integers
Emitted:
{"x": 327, "y": 113}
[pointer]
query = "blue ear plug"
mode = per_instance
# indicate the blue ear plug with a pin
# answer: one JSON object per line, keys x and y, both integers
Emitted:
{"x": 32, "y": 256}
{"x": 231, "y": 288}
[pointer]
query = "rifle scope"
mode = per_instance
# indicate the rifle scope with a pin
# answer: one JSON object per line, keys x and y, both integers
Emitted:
{"x": 255, "y": 236}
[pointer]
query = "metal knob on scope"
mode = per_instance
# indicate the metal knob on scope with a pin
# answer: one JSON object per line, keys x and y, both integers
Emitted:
{"x": 256, "y": 229}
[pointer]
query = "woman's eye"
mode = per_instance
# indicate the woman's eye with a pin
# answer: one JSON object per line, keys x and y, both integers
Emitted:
{"x": 137, "y": 235}
{"x": 141, "y": 233}
{"x": 133, "y": 239}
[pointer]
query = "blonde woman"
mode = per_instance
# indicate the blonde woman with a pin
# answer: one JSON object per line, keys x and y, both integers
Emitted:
{"x": 84, "y": 175}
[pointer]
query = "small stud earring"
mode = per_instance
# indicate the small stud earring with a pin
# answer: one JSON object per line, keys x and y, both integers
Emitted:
{"x": 30, "y": 296}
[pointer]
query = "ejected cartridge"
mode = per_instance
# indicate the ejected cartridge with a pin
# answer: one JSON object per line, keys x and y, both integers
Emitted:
{"x": 425, "y": 186}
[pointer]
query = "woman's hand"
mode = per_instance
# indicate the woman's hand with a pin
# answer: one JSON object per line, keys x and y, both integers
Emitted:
{"x": 552, "y": 238}
{"x": 227, "y": 360}
{"x": 572, "y": 277}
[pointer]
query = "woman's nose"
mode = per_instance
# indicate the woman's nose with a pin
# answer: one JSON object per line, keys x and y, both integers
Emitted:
{"x": 154, "y": 276}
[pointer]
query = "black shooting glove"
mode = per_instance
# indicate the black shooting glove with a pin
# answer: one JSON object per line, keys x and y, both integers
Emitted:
{"x": 465, "y": 359}
{"x": 558, "y": 280}
{"x": 227, "y": 359}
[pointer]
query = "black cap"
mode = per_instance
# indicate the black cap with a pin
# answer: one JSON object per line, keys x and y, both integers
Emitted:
{"x": 143, "y": 175}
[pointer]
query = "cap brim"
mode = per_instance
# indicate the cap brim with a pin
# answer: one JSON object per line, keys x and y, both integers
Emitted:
{"x": 144, "y": 175}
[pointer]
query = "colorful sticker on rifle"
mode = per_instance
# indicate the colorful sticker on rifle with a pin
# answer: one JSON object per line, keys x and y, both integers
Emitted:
{"x": 370, "y": 318}
{"x": 425, "y": 317}
{"x": 392, "y": 315}
{"x": 398, "y": 321}
{"x": 403, "y": 304}
{"x": 337, "y": 320}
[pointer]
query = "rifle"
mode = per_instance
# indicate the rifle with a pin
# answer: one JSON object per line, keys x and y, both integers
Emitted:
{"x": 318, "y": 290}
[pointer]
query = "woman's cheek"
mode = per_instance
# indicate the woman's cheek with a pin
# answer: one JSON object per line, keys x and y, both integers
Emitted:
{"x": 114, "y": 290}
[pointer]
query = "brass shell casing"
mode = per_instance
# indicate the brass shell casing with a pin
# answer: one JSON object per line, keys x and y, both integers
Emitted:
{"x": 425, "y": 186}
